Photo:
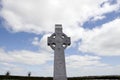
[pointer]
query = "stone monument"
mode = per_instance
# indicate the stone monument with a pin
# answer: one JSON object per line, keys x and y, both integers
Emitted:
{"x": 58, "y": 41}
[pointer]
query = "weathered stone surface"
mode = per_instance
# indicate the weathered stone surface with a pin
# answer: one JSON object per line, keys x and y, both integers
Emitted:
{"x": 58, "y": 41}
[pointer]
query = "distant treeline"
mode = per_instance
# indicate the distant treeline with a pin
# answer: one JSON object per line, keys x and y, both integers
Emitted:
{"x": 5, "y": 77}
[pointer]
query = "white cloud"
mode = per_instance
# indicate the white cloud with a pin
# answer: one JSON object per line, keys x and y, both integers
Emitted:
{"x": 35, "y": 41}
{"x": 104, "y": 41}
{"x": 42, "y": 43}
{"x": 11, "y": 67}
{"x": 33, "y": 58}
{"x": 98, "y": 18}
{"x": 93, "y": 71}
{"x": 22, "y": 62}
{"x": 76, "y": 61}
{"x": 78, "y": 65}
{"x": 41, "y": 15}
{"x": 25, "y": 57}
{"x": 13, "y": 61}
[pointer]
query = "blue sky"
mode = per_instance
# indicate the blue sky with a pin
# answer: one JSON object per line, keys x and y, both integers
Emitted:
{"x": 94, "y": 31}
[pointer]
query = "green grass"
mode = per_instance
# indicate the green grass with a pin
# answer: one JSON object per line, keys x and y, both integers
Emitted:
{"x": 3, "y": 77}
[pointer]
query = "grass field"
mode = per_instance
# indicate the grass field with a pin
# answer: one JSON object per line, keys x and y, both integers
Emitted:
{"x": 3, "y": 77}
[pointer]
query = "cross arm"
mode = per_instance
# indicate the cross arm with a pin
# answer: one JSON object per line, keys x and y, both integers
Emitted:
{"x": 66, "y": 40}
{"x": 51, "y": 41}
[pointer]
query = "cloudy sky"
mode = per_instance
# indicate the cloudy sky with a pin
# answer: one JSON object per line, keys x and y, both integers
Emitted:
{"x": 93, "y": 25}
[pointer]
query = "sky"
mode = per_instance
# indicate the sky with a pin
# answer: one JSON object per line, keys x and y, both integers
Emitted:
{"x": 93, "y": 26}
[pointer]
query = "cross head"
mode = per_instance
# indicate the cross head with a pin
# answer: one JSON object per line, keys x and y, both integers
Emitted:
{"x": 58, "y": 39}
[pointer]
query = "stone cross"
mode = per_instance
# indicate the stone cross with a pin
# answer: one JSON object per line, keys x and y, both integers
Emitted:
{"x": 58, "y": 41}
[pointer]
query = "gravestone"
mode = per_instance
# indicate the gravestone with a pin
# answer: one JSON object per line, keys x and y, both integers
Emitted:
{"x": 58, "y": 41}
